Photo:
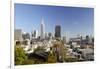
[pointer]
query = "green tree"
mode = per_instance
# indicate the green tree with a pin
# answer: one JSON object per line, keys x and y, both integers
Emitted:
{"x": 19, "y": 55}
{"x": 52, "y": 58}
{"x": 70, "y": 59}
{"x": 27, "y": 61}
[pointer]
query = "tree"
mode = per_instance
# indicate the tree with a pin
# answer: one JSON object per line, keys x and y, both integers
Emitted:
{"x": 28, "y": 61}
{"x": 19, "y": 55}
{"x": 52, "y": 58}
{"x": 70, "y": 59}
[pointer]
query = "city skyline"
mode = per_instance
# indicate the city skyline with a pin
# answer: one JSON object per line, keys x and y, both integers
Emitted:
{"x": 73, "y": 20}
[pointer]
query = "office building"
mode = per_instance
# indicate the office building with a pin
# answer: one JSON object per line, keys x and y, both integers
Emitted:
{"x": 42, "y": 30}
{"x": 34, "y": 34}
{"x": 18, "y": 35}
{"x": 58, "y": 31}
{"x": 26, "y": 36}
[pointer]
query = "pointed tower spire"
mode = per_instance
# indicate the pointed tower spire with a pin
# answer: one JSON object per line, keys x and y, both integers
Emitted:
{"x": 42, "y": 32}
{"x": 42, "y": 21}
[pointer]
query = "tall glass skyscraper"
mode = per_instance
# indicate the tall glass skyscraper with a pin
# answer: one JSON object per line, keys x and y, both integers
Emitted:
{"x": 58, "y": 31}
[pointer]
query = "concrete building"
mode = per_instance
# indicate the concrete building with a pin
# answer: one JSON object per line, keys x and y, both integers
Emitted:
{"x": 42, "y": 30}
{"x": 50, "y": 35}
{"x": 26, "y": 36}
{"x": 64, "y": 39}
{"x": 18, "y": 35}
{"x": 88, "y": 54}
{"x": 34, "y": 34}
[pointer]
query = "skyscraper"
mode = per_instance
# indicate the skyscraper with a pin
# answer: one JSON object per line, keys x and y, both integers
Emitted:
{"x": 18, "y": 34}
{"x": 42, "y": 31}
{"x": 34, "y": 34}
{"x": 58, "y": 31}
{"x": 50, "y": 35}
{"x": 26, "y": 36}
{"x": 65, "y": 37}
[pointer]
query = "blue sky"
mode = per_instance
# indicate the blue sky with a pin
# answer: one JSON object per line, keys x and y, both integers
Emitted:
{"x": 73, "y": 20}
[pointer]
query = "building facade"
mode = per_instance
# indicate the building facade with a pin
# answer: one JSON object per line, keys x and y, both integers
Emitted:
{"x": 57, "y": 31}
{"x": 17, "y": 34}
{"x": 42, "y": 30}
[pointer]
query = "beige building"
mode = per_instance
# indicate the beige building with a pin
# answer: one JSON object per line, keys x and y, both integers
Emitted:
{"x": 17, "y": 35}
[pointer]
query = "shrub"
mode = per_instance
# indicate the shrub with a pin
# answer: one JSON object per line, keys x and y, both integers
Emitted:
{"x": 71, "y": 59}
{"x": 27, "y": 61}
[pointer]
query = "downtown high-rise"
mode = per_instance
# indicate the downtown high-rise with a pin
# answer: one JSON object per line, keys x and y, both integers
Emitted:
{"x": 42, "y": 30}
{"x": 58, "y": 31}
